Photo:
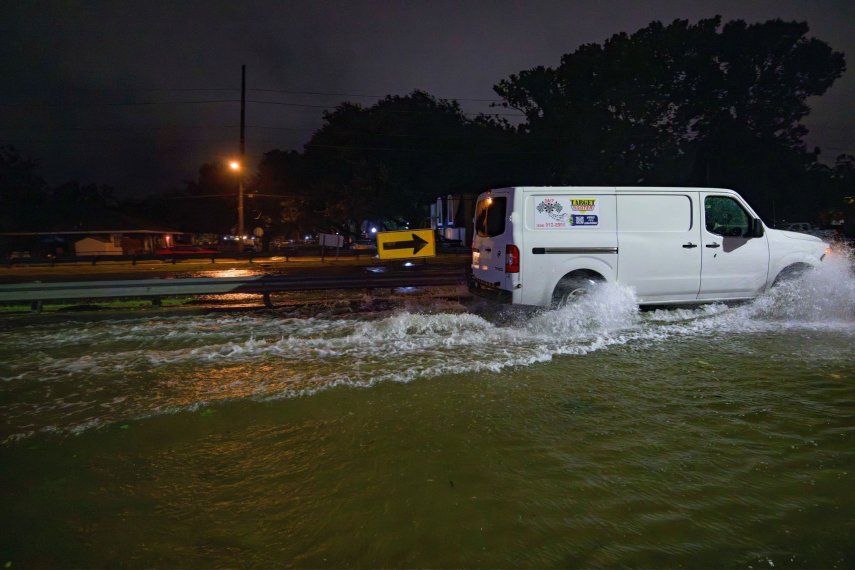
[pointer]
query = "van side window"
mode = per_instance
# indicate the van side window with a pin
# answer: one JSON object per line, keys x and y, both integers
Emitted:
{"x": 490, "y": 217}
{"x": 655, "y": 213}
{"x": 725, "y": 217}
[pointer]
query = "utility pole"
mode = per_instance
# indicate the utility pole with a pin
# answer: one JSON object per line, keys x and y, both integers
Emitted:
{"x": 240, "y": 225}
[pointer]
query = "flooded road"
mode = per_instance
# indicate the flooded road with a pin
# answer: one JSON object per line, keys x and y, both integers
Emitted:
{"x": 431, "y": 436}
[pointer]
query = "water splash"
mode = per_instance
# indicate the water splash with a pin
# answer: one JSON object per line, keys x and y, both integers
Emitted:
{"x": 70, "y": 377}
{"x": 607, "y": 308}
{"x": 824, "y": 295}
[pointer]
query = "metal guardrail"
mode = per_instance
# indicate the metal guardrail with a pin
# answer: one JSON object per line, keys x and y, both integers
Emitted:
{"x": 37, "y": 293}
{"x": 287, "y": 253}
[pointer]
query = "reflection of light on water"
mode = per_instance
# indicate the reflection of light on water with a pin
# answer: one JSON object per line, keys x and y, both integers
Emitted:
{"x": 232, "y": 272}
{"x": 231, "y": 298}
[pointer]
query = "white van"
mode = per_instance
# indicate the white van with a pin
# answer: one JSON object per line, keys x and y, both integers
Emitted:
{"x": 544, "y": 245}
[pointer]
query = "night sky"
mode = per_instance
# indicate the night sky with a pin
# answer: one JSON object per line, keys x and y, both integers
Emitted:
{"x": 70, "y": 71}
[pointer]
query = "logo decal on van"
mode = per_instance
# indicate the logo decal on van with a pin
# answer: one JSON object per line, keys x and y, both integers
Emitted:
{"x": 584, "y": 205}
{"x": 565, "y": 212}
{"x": 551, "y": 215}
{"x": 584, "y": 220}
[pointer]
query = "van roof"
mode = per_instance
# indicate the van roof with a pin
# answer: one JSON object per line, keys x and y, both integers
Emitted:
{"x": 610, "y": 189}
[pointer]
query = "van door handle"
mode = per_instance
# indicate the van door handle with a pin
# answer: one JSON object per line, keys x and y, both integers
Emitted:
{"x": 690, "y": 245}
{"x": 713, "y": 245}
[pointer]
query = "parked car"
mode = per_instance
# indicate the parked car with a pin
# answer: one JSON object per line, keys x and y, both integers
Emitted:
{"x": 188, "y": 250}
{"x": 545, "y": 246}
{"x": 364, "y": 245}
{"x": 803, "y": 227}
{"x": 825, "y": 235}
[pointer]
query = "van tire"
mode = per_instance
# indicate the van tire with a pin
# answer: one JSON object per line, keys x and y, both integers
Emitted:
{"x": 791, "y": 273}
{"x": 574, "y": 286}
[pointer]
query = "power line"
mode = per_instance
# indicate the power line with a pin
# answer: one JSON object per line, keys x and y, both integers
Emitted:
{"x": 401, "y": 111}
{"x": 122, "y": 104}
{"x": 260, "y": 90}
{"x": 215, "y": 101}
{"x": 425, "y": 150}
{"x": 322, "y": 93}
{"x": 318, "y": 146}
{"x": 118, "y": 129}
{"x": 281, "y": 128}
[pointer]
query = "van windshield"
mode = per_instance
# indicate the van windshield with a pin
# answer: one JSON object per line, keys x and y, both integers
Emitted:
{"x": 490, "y": 216}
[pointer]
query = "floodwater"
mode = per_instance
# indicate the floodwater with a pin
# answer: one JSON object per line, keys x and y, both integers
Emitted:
{"x": 592, "y": 435}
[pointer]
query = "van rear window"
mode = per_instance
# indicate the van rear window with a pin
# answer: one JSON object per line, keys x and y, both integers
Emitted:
{"x": 490, "y": 216}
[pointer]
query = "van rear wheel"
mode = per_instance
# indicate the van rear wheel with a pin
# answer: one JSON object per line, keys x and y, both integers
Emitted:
{"x": 571, "y": 288}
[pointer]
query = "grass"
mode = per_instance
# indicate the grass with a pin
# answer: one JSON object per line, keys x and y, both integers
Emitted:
{"x": 97, "y": 304}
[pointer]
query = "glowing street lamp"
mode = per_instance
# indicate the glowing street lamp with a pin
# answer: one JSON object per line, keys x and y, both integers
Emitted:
{"x": 235, "y": 166}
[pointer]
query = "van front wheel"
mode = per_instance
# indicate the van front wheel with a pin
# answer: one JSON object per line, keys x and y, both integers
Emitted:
{"x": 791, "y": 273}
{"x": 573, "y": 287}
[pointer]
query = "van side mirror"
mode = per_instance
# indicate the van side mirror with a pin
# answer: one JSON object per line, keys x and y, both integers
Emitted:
{"x": 756, "y": 229}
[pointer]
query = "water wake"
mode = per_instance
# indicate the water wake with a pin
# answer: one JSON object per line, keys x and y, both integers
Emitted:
{"x": 69, "y": 377}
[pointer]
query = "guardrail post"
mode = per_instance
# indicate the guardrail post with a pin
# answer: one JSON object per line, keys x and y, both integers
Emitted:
{"x": 156, "y": 302}
{"x": 94, "y": 259}
{"x": 267, "y": 302}
{"x": 36, "y": 306}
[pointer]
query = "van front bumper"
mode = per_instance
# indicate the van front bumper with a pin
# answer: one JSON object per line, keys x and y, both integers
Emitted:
{"x": 489, "y": 291}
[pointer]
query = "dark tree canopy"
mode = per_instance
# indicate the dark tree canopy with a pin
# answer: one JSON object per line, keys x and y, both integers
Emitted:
{"x": 387, "y": 161}
{"x": 22, "y": 191}
{"x": 685, "y": 103}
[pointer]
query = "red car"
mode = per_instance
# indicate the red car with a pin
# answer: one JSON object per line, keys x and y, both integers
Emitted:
{"x": 186, "y": 250}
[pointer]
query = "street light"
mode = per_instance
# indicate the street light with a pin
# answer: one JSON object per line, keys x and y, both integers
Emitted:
{"x": 235, "y": 166}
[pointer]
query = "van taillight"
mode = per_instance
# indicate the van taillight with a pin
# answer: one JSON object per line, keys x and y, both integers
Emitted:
{"x": 512, "y": 259}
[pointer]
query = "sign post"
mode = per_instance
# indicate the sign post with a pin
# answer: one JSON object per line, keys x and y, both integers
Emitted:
{"x": 332, "y": 240}
{"x": 406, "y": 244}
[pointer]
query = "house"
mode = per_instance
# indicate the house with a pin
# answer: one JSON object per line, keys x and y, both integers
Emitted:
{"x": 100, "y": 245}
{"x": 139, "y": 240}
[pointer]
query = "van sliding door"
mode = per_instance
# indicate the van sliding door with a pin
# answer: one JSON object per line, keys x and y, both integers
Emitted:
{"x": 659, "y": 239}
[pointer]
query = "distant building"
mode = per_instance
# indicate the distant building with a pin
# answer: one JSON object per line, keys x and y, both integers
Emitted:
{"x": 89, "y": 246}
{"x": 89, "y": 243}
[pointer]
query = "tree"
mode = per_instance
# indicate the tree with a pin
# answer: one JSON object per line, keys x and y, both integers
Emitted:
{"x": 286, "y": 205}
{"x": 701, "y": 104}
{"x": 388, "y": 161}
{"x": 22, "y": 191}
{"x": 76, "y": 206}
{"x": 204, "y": 205}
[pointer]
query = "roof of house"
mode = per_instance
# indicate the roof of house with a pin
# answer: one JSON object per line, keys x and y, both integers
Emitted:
{"x": 94, "y": 238}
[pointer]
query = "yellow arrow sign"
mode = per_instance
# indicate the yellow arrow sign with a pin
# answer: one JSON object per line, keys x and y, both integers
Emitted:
{"x": 408, "y": 243}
